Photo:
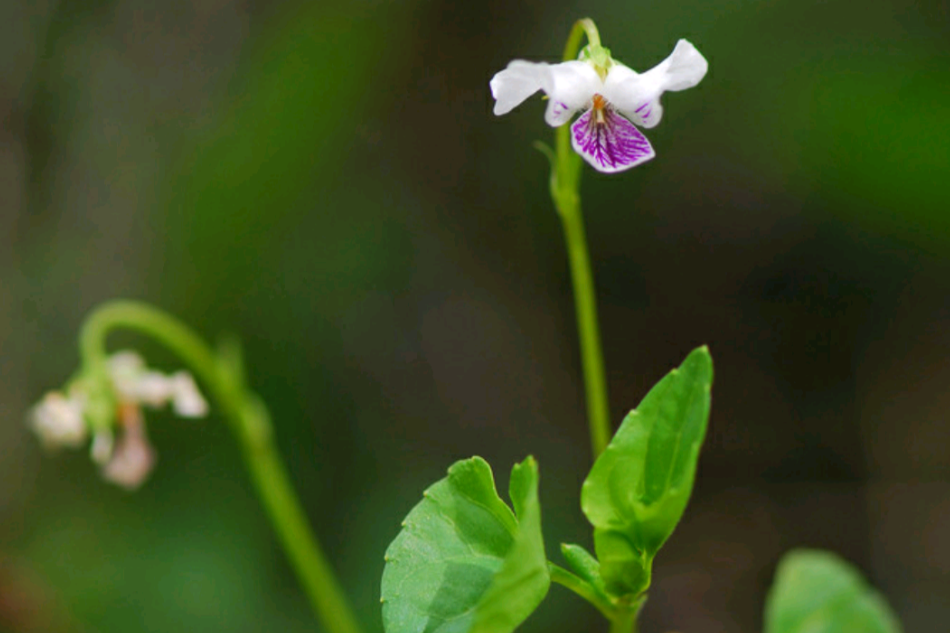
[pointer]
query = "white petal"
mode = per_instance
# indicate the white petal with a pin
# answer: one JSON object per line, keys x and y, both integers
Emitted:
{"x": 684, "y": 68}
{"x": 516, "y": 83}
{"x": 133, "y": 457}
{"x": 152, "y": 388}
{"x": 126, "y": 362}
{"x": 58, "y": 421}
{"x": 638, "y": 96}
{"x": 186, "y": 399}
{"x": 570, "y": 86}
{"x": 136, "y": 383}
{"x": 629, "y": 93}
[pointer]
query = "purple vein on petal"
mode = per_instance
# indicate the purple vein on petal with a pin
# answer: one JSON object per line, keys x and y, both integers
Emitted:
{"x": 611, "y": 145}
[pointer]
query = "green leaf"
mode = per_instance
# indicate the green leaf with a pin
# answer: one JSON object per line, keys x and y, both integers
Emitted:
{"x": 639, "y": 487}
{"x": 818, "y": 592}
{"x": 463, "y": 562}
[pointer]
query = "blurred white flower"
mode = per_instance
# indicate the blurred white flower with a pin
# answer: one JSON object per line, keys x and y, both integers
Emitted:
{"x": 125, "y": 454}
{"x": 611, "y": 94}
{"x": 58, "y": 420}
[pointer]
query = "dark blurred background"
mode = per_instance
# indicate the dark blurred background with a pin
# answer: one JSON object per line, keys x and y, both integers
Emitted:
{"x": 326, "y": 180}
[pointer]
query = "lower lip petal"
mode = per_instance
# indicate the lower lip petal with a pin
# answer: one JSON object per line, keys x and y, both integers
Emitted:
{"x": 609, "y": 143}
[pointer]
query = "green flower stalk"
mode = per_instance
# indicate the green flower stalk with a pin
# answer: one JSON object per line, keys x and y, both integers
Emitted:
{"x": 614, "y": 98}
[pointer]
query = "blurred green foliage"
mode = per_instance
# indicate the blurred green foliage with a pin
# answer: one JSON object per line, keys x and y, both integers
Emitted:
{"x": 817, "y": 591}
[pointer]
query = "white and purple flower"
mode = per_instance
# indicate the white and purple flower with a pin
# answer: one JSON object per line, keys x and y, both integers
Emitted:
{"x": 613, "y": 97}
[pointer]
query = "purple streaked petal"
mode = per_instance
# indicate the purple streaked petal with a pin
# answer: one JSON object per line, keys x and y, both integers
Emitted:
{"x": 611, "y": 145}
{"x": 637, "y": 96}
{"x": 649, "y": 114}
{"x": 558, "y": 109}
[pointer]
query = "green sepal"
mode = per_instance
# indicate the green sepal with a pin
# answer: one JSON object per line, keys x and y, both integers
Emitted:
{"x": 818, "y": 592}
{"x": 597, "y": 55}
{"x": 463, "y": 561}
{"x": 638, "y": 488}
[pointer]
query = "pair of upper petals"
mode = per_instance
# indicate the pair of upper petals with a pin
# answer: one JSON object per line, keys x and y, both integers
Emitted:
{"x": 572, "y": 85}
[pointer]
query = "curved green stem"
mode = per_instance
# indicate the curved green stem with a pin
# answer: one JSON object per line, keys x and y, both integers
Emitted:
{"x": 251, "y": 424}
{"x": 565, "y": 191}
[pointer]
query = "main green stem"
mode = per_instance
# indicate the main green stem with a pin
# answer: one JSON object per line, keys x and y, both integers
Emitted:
{"x": 252, "y": 426}
{"x": 625, "y": 621}
{"x": 565, "y": 191}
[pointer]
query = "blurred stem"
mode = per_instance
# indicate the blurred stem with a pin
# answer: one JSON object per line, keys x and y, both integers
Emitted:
{"x": 565, "y": 191}
{"x": 251, "y": 423}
